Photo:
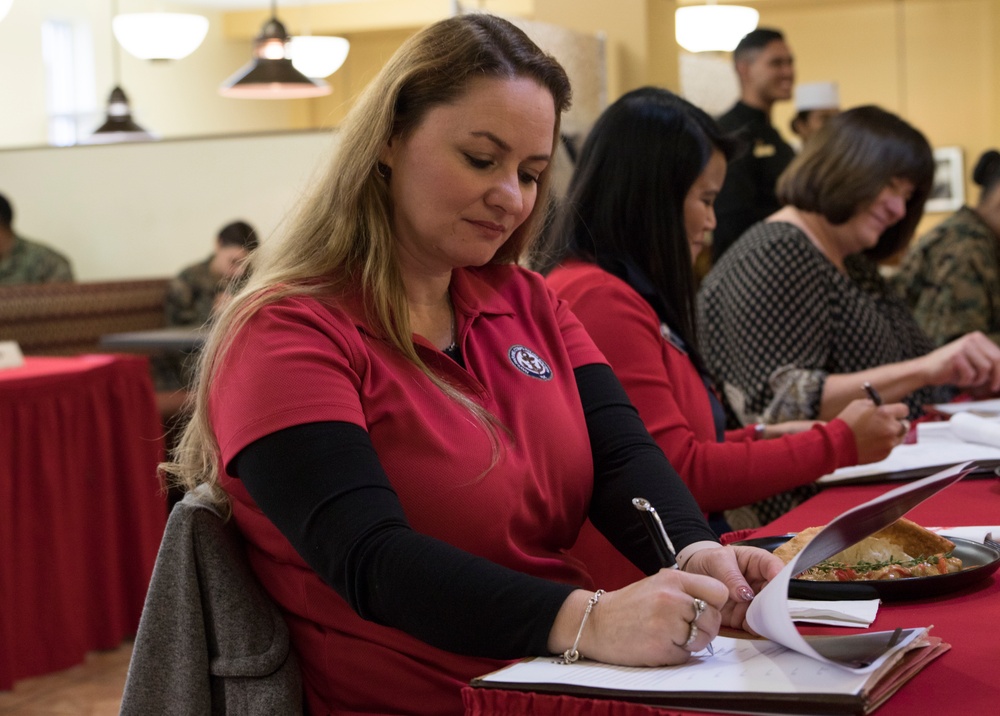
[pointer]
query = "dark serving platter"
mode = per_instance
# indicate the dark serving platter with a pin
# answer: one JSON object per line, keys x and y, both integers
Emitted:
{"x": 978, "y": 560}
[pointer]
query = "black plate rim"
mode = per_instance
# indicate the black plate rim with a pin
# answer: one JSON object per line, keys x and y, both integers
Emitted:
{"x": 889, "y": 589}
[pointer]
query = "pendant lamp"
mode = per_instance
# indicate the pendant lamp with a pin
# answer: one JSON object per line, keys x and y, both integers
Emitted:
{"x": 318, "y": 56}
{"x": 5, "y": 8}
{"x": 160, "y": 35}
{"x": 713, "y": 27}
{"x": 270, "y": 74}
{"x": 119, "y": 125}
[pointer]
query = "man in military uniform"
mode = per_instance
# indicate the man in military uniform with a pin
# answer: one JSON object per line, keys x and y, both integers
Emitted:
{"x": 951, "y": 277}
{"x": 193, "y": 297}
{"x": 24, "y": 261}
{"x": 197, "y": 290}
{"x": 766, "y": 72}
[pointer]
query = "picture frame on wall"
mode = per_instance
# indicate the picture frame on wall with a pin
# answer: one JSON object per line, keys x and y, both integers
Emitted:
{"x": 948, "y": 192}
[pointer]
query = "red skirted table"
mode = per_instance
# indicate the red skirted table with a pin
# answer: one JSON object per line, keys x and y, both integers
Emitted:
{"x": 963, "y": 682}
{"x": 81, "y": 510}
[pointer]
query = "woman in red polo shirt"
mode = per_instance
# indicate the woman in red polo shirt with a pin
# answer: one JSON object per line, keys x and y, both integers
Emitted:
{"x": 632, "y": 223}
{"x": 410, "y": 430}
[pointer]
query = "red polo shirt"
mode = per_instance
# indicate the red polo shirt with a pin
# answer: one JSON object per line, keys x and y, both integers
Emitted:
{"x": 672, "y": 400}
{"x": 304, "y": 360}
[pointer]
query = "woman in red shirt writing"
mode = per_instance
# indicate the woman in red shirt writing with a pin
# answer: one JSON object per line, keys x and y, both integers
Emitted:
{"x": 410, "y": 429}
{"x": 634, "y": 219}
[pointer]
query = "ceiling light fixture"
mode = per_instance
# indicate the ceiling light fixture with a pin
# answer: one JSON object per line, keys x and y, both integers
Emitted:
{"x": 119, "y": 125}
{"x": 318, "y": 56}
{"x": 713, "y": 27}
{"x": 270, "y": 74}
{"x": 160, "y": 35}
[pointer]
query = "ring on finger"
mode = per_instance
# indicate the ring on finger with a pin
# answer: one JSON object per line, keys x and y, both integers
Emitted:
{"x": 692, "y": 635}
{"x": 699, "y": 608}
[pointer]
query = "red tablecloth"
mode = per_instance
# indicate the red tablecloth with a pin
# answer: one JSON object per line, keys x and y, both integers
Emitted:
{"x": 963, "y": 682}
{"x": 81, "y": 511}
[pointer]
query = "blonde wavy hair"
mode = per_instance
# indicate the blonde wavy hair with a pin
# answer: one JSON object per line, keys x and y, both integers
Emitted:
{"x": 341, "y": 237}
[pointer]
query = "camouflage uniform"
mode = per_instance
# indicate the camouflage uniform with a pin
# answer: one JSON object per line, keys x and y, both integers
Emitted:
{"x": 189, "y": 301}
{"x": 951, "y": 279}
{"x": 31, "y": 262}
{"x": 191, "y": 295}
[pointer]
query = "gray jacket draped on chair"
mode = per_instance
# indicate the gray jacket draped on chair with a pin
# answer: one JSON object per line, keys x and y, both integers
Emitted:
{"x": 210, "y": 640}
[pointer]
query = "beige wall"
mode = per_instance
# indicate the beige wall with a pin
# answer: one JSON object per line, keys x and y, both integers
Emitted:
{"x": 934, "y": 62}
{"x": 147, "y": 209}
{"x": 171, "y": 99}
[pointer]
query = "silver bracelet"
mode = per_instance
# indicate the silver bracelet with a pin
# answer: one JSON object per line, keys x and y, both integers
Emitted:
{"x": 571, "y": 654}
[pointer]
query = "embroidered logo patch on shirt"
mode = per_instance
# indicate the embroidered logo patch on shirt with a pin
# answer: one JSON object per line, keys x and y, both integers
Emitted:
{"x": 529, "y": 363}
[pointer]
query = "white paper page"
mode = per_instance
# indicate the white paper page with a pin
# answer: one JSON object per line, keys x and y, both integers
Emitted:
{"x": 846, "y": 612}
{"x": 936, "y": 445}
{"x": 768, "y": 613}
{"x": 980, "y": 407}
{"x": 738, "y": 666}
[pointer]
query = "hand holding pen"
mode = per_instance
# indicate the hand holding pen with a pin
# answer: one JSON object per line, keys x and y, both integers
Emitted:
{"x": 668, "y": 558}
{"x": 904, "y": 425}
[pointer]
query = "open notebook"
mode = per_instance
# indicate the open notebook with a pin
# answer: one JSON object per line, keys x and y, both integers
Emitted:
{"x": 965, "y": 436}
{"x": 784, "y": 673}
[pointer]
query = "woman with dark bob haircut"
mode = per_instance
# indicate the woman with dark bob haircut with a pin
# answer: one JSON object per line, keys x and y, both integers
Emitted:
{"x": 796, "y": 317}
{"x": 409, "y": 429}
{"x": 634, "y": 219}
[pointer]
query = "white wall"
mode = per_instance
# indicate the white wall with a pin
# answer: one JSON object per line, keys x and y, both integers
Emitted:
{"x": 149, "y": 209}
{"x": 170, "y": 99}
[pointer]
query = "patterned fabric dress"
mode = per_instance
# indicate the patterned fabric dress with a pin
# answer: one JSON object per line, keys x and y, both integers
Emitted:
{"x": 951, "y": 279}
{"x": 776, "y": 317}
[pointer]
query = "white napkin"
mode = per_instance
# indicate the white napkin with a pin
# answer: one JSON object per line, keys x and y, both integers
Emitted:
{"x": 973, "y": 533}
{"x": 975, "y": 429}
{"x": 848, "y": 613}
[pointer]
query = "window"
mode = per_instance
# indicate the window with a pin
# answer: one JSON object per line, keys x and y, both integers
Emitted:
{"x": 70, "y": 94}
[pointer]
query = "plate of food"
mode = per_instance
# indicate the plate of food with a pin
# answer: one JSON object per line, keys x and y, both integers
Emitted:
{"x": 901, "y": 561}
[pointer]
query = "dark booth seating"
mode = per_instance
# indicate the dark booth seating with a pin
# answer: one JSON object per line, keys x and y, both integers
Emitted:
{"x": 70, "y": 318}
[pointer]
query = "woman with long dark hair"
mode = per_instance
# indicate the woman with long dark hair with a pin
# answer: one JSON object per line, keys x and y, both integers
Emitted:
{"x": 634, "y": 218}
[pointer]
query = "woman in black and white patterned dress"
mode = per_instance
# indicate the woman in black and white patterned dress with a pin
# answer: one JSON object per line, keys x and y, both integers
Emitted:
{"x": 795, "y": 318}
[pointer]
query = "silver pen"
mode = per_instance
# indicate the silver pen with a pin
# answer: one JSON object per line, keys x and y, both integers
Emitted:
{"x": 661, "y": 540}
{"x": 657, "y": 533}
{"x": 872, "y": 393}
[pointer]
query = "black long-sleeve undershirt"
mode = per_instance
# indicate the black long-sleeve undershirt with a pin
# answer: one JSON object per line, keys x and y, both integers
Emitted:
{"x": 346, "y": 521}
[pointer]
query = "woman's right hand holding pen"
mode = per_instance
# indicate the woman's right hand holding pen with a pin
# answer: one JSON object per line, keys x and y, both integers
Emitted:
{"x": 877, "y": 428}
{"x": 646, "y": 623}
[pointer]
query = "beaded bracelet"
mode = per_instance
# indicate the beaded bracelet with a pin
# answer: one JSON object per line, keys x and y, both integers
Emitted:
{"x": 571, "y": 654}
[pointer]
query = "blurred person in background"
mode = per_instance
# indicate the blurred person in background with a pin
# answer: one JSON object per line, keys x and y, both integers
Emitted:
{"x": 950, "y": 277}
{"x": 815, "y": 103}
{"x": 196, "y": 291}
{"x": 796, "y": 318}
{"x": 766, "y": 70}
{"x": 26, "y": 261}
